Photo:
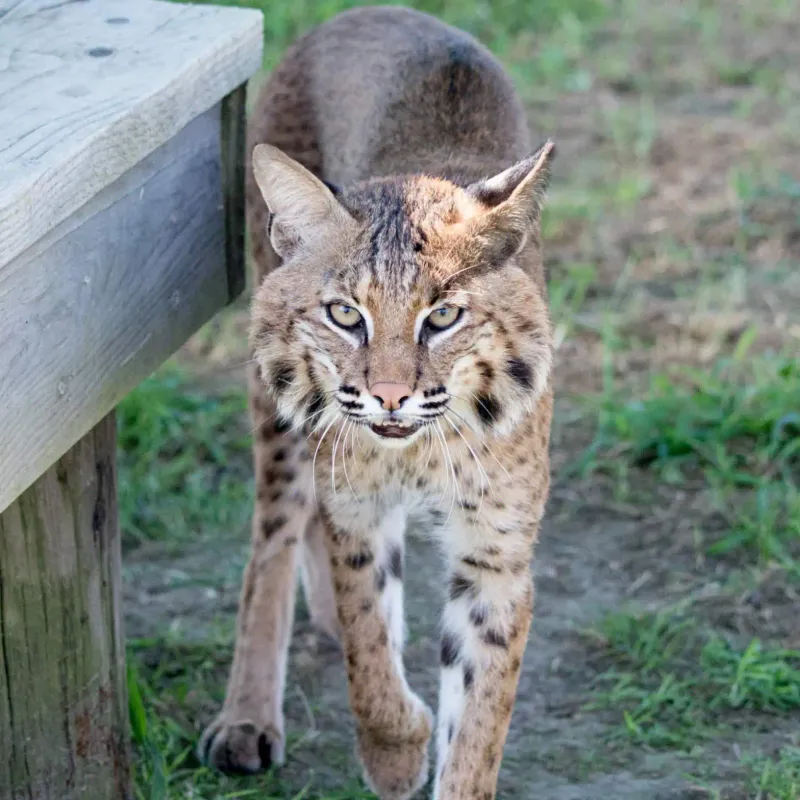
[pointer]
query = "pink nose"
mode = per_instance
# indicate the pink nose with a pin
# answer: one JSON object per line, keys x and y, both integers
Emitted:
{"x": 390, "y": 395}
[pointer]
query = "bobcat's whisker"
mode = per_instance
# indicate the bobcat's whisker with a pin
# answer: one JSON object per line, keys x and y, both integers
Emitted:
{"x": 449, "y": 460}
{"x": 349, "y": 430}
{"x": 477, "y": 460}
{"x": 336, "y": 439}
{"x": 430, "y": 448}
{"x": 483, "y": 442}
{"x": 314, "y": 460}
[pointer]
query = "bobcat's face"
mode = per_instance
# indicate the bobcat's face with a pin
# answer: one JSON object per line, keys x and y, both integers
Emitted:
{"x": 402, "y": 310}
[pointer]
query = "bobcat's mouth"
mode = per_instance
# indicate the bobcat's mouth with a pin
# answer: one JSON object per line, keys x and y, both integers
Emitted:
{"x": 395, "y": 430}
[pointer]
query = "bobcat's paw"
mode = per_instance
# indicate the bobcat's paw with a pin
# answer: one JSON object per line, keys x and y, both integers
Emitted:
{"x": 240, "y": 747}
{"x": 397, "y": 768}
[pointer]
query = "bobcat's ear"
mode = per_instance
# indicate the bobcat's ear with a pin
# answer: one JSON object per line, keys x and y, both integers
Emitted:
{"x": 303, "y": 208}
{"x": 511, "y": 204}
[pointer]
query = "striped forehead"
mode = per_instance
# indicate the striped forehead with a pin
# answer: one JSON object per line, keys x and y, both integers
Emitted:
{"x": 400, "y": 218}
{"x": 391, "y": 239}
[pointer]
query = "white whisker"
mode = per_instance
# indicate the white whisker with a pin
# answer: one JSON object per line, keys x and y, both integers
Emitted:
{"x": 430, "y": 447}
{"x": 474, "y": 456}
{"x": 351, "y": 426}
{"x": 314, "y": 460}
{"x": 472, "y": 428}
{"x": 336, "y": 439}
{"x": 449, "y": 459}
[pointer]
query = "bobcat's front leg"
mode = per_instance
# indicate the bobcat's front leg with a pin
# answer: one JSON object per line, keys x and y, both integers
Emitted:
{"x": 393, "y": 724}
{"x": 486, "y": 623}
{"x": 248, "y": 733}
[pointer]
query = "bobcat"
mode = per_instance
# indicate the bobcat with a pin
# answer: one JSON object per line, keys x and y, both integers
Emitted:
{"x": 401, "y": 382}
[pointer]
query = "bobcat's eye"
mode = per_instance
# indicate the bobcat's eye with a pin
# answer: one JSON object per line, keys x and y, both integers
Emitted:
{"x": 444, "y": 317}
{"x": 344, "y": 316}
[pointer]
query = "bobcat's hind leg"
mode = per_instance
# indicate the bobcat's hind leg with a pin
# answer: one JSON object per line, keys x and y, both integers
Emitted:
{"x": 315, "y": 571}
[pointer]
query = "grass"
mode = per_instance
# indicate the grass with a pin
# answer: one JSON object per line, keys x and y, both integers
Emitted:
{"x": 775, "y": 779}
{"x": 171, "y": 684}
{"x": 184, "y": 459}
{"x": 741, "y": 420}
{"x": 736, "y": 425}
{"x": 678, "y": 684}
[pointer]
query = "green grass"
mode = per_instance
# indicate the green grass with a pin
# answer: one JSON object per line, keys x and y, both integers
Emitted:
{"x": 775, "y": 779}
{"x": 736, "y": 425}
{"x": 184, "y": 459}
{"x": 171, "y": 684}
{"x": 677, "y": 684}
{"x": 741, "y": 419}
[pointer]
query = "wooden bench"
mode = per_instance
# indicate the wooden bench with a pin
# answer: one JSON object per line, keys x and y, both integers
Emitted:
{"x": 121, "y": 233}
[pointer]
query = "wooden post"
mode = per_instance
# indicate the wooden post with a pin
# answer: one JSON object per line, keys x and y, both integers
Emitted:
{"x": 63, "y": 698}
{"x": 118, "y": 240}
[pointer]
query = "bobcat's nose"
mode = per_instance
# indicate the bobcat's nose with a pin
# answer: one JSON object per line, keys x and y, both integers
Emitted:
{"x": 390, "y": 395}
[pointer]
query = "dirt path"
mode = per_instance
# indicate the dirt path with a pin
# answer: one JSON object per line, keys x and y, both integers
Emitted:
{"x": 591, "y": 561}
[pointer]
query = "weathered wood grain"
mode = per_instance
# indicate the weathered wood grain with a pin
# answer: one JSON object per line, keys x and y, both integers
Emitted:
{"x": 105, "y": 297}
{"x": 63, "y": 699}
{"x": 90, "y": 88}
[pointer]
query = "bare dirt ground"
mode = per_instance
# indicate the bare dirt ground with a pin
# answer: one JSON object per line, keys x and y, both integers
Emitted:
{"x": 677, "y": 192}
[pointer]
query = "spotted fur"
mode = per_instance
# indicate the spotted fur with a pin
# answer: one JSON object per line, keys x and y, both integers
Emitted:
{"x": 391, "y": 171}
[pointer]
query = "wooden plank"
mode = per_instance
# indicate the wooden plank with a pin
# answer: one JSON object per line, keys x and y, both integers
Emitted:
{"x": 104, "y": 298}
{"x": 63, "y": 699}
{"x": 90, "y": 88}
{"x": 234, "y": 136}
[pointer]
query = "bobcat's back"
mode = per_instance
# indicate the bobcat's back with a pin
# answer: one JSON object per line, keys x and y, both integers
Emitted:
{"x": 386, "y": 90}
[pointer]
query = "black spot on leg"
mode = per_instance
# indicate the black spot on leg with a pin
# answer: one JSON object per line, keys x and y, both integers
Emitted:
{"x": 496, "y": 639}
{"x": 520, "y": 372}
{"x": 271, "y": 526}
{"x": 451, "y": 731}
{"x": 451, "y": 648}
{"x": 359, "y": 560}
{"x": 478, "y": 615}
{"x": 469, "y": 676}
{"x": 460, "y": 586}
{"x": 396, "y": 563}
{"x": 380, "y": 579}
{"x": 488, "y": 408}
{"x": 477, "y": 563}
{"x": 282, "y": 376}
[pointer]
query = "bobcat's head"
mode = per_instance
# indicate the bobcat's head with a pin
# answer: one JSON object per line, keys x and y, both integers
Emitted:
{"x": 402, "y": 302}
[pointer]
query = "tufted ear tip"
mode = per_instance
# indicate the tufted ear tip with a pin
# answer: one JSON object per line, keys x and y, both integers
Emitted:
{"x": 510, "y": 205}
{"x": 532, "y": 173}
